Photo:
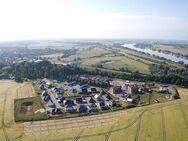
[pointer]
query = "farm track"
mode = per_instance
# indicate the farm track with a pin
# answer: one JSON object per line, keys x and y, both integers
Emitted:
{"x": 138, "y": 129}
{"x": 163, "y": 124}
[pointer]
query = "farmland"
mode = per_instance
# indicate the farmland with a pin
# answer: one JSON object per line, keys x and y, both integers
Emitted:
{"x": 153, "y": 122}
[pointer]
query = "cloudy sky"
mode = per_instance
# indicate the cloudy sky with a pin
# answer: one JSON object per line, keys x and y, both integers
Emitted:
{"x": 50, "y": 19}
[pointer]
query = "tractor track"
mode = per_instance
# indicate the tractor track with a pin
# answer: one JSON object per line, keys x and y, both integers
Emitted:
{"x": 184, "y": 116}
{"x": 79, "y": 134}
{"x": 163, "y": 124}
{"x": 138, "y": 129}
{"x": 107, "y": 136}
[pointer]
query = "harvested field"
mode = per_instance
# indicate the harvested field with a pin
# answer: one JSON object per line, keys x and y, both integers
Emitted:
{"x": 26, "y": 90}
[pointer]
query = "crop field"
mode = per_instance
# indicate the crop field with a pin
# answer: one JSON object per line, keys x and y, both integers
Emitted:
{"x": 158, "y": 122}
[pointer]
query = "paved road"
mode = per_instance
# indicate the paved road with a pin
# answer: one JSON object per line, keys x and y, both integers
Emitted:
{"x": 52, "y": 95}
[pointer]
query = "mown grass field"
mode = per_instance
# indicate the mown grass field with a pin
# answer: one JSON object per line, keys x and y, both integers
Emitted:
{"x": 119, "y": 62}
{"x": 158, "y": 122}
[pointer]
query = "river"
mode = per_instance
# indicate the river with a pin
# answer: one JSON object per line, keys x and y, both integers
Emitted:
{"x": 157, "y": 53}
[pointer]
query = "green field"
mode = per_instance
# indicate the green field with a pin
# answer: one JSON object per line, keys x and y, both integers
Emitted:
{"x": 118, "y": 62}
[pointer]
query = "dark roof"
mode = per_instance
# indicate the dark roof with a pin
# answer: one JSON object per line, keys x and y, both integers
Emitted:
{"x": 108, "y": 97}
{"x": 93, "y": 89}
{"x": 69, "y": 102}
{"x": 92, "y": 100}
{"x": 84, "y": 90}
{"x": 102, "y": 92}
{"x": 117, "y": 89}
{"x": 81, "y": 84}
{"x": 93, "y": 106}
{"x": 79, "y": 100}
{"x": 101, "y": 103}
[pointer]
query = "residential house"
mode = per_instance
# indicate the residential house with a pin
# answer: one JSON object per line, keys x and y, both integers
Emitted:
{"x": 82, "y": 85}
{"x": 118, "y": 91}
{"x": 163, "y": 89}
{"x": 82, "y": 109}
{"x": 50, "y": 104}
{"x": 90, "y": 100}
{"x": 132, "y": 89}
{"x": 79, "y": 100}
{"x": 93, "y": 90}
{"x": 84, "y": 91}
{"x": 92, "y": 108}
{"x": 68, "y": 102}
{"x": 69, "y": 108}
{"x": 101, "y": 104}
{"x": 70, "y": 82}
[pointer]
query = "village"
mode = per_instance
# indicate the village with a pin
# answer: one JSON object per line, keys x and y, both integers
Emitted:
{"x": 72, "y": 97}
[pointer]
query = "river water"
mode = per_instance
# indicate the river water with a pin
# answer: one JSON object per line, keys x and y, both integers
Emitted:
{"x": 157, "y": 53}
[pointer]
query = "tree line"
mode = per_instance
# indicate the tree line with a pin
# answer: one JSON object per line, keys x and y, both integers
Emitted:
{"x": 36, "y": 70}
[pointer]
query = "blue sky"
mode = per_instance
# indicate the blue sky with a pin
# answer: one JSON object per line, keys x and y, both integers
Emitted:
{"x": 42, "y": 19}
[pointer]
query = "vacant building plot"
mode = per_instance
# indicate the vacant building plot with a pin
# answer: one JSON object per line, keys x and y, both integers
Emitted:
{"x": 26, "y": 90}
{"x": 26, "y": 109}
